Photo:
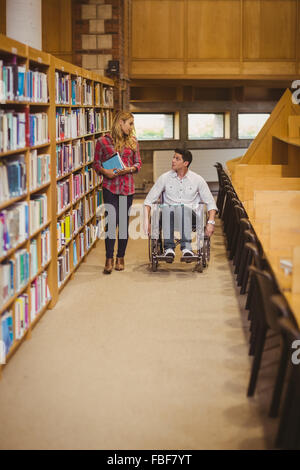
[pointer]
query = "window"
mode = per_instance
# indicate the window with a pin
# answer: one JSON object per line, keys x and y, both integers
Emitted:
{"x": 154, "y": 126}
{"x": 206, "y": 126}
{"x": 249, "y": 125}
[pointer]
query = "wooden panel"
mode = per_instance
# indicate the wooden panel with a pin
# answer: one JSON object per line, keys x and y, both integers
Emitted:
{"x": 157, "y": 67}
{"x": 253, "y": 183}
{"x": 2, "y": 16}
{"x": 294, "y": 126}
{"x": 296, "y": 270}
{"x": 213, "y": 68}
{"x": 270, "y": 68}
{"x": 269, "y": 29}
{"x": 287, "y": 228}
{"x": 213, "y": 29}
{"x": 281, "y": 201}
{"x": 241, "y": 171}
{"x": 57, "y": 27}
{"x": 157, "y": 29}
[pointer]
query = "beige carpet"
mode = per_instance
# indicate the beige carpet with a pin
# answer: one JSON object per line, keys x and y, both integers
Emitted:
{"x": 138, "y": 360}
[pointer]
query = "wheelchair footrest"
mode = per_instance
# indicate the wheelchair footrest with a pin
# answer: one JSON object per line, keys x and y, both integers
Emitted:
{"x": 167, "y": 259}
{"x": 189, "y": 259}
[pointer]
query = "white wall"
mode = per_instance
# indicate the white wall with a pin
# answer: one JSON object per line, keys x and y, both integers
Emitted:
{"x": 203, "y": 161}
{"x": 24, "y": 21}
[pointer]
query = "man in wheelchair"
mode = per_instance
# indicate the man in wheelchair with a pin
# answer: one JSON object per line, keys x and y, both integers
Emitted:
{"x": 182, "y": 190}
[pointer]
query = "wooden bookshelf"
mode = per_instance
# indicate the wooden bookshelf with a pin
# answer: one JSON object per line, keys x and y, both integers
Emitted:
{"x": 95, "y": 88}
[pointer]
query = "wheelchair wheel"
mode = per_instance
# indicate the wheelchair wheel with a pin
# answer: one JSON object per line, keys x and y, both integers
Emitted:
{"x": 150, "y": 248}
{"x": 199, "y": 266}
{"x": 206, "y": 251}
{"x": 154, "y": 264}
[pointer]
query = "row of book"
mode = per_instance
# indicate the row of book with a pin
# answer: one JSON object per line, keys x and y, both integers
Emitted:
{"x": 22, "y": 268}
{"x": 104, "y": 95}
{"x": 44, "y": 250}
{"x": 87, "y": 92}
{"x": 63, "y": 195}
{"x": 38, "y": 129}
{"x": 75, "y": 91}
{"x": 13, "y": 226}
{"x": 39, "y": 170}
{"x": 38, "y": 212}
{"x": 71, "y": 156}
{"x": 80, "y": 122}
{"x": 18, "y": 130}
{"x": 88, "y": 178}
{"x": 19, "y": 84}
{"x": 12, "y": 177}
{"x": 107, "y": 96}
{"x": 103, "y": 120}
{"x": 69, "y": 225}
{"x": 79, "y": 247}
{"x": 6, "y": 333}
{"x": 21, "y": 316}
{"x": 79, "y": 91}
{"x": 91, "y": 233}
{"x": 63, "y": 266}
{"x": 37, "y": 87}
{"x": 89, "y": 207}
{"x": 99, "y": 197}
{"x": 77, "y": 186}
{"x": 15, "y": 273}
{"x": 12, "y": 130}
{"x": 39, "y": 295}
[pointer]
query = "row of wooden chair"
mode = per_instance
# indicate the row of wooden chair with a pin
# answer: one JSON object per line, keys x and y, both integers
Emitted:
{"x": 269, "y": 313}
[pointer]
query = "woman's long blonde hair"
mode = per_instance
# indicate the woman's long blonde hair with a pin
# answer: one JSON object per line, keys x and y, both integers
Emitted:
{"x": 120, "y": 140}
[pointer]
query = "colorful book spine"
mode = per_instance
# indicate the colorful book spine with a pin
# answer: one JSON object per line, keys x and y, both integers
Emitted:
{"x": 63, "y": 195}
{"x": 7, "y": 281}
{"x": 39, "y": 169}
{"x": 38, "y": 211}
{"x": 13, "y": 226}
{"x": 6, "y": 333}
{"x": 33, "y": 258}
{"x": 21, "y": 316}
{"x": 39, "y": 294}
{"x": 22, "y": 268}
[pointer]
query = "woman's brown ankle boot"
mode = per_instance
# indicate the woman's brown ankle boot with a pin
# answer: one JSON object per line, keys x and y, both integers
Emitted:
{"x": 120, "y": 265}
{"x": 109, "y": 264}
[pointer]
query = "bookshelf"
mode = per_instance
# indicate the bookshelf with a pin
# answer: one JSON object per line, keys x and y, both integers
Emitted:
{"x": 55, "y": 111}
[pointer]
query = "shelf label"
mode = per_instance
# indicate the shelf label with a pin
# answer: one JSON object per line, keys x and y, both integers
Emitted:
{"x": 39, "y": 60}
{"x": 63, "y": 68}
{"x": 14, "y": 50}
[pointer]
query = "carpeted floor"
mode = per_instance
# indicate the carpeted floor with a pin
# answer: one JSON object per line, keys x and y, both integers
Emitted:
{"x": 138, "y": 360}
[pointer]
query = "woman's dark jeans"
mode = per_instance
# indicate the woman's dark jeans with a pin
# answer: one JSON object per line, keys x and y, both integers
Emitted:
{"x": 117, "y": 214}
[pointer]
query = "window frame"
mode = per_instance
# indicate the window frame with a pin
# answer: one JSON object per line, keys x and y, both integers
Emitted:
{"x": 251, "y": 113}
{"x": 209, "y": 139}
{"x": 169, "y": 113}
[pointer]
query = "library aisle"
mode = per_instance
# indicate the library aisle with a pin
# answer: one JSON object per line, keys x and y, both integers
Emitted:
{"x": 137, "y": 360}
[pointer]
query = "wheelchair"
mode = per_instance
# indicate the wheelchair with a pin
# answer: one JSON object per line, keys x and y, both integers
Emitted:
{"x": 156, "y": 243}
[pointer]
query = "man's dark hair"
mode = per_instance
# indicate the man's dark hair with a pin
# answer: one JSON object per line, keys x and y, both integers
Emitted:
{"x": 186, "y": 155}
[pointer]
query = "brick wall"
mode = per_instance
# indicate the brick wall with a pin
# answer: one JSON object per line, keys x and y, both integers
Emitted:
{"x": 98, "y": 36}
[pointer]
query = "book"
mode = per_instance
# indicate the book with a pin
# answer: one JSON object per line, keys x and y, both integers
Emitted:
{"x": 114, "y": 162}
{"x": 7, "y": 333}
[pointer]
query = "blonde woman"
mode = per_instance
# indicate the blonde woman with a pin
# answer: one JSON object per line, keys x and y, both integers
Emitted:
{"x": 118, "y": 185}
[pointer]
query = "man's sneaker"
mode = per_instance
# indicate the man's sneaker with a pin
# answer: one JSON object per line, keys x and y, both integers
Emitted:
{"x": 170, "y": 255}
{"x": 186, "y": 254}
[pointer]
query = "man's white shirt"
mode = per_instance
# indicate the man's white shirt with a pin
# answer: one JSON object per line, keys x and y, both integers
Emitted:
{"x": 191, "y": 189}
